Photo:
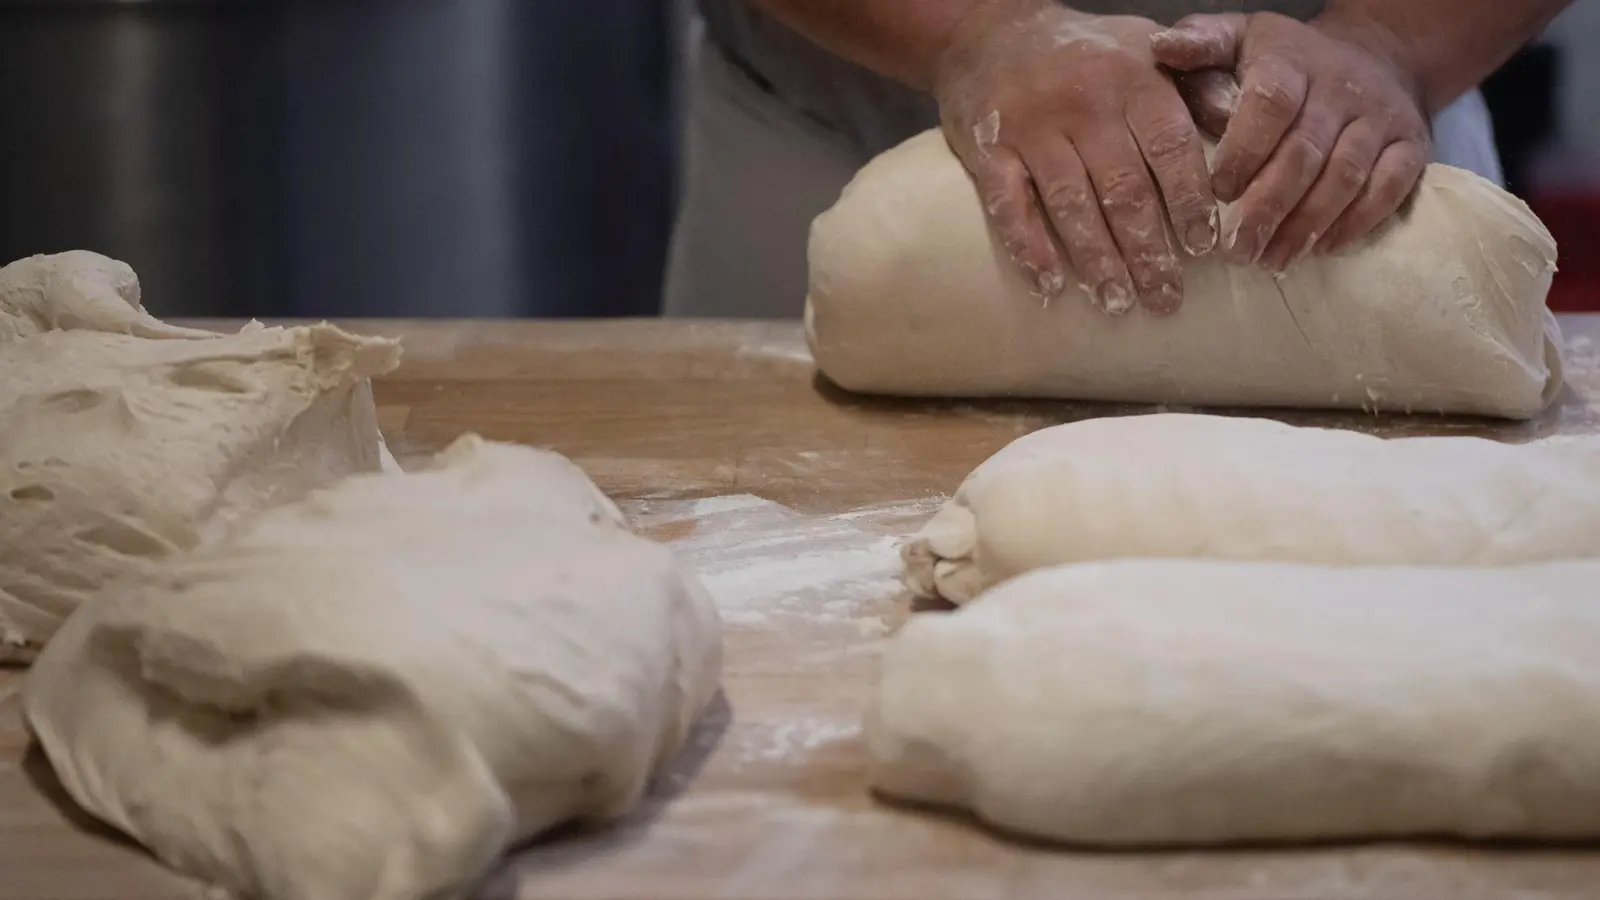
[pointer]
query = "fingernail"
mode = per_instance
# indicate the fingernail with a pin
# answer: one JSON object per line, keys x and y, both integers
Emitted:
{"x": 1305, "y": 250}
{"x": 1051, "y": 283}
{"x": 1115, "y": 299}
{"x": 1201, "y": 237}
{"x": 1243, "y": 251}
{"x": 1164, "y": 301}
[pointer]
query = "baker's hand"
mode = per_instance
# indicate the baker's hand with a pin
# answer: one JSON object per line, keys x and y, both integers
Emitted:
{"x": 1062, "y": 118}
{"x": 1328, "y": 138}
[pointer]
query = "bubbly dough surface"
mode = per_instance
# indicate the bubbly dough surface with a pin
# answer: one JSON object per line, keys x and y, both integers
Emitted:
{"x": 1201, "y": 702}
{"x": 372, "y": 692}
{"x": 124, "y": 439}
{"x": 1175, "y": 485}
{"x": 1444, "y": 312}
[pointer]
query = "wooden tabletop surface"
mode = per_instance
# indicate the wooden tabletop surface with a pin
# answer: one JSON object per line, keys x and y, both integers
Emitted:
{"x": 788, "y": 497}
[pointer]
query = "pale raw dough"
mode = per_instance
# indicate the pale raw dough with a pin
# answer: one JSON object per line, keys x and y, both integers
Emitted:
{"x": 372, "y": 692}
{"x": 1192, "y": 702}
{"x": 124, "y": 440}
{"x": 1176, "y": 485}
{"x": 1445, "y": 312}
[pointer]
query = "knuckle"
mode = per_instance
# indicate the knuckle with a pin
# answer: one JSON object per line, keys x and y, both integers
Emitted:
{"x": 995, "y": 204}
{"x": 1169, "y": 142}
{"x": 1074, "y": 100}
{"x": 1394, "y": 185}
{"x": 1347, "y": 174}
{"x": 1277, "y": 98}
{"x": 1267, "y": 212}
{"x": 1007, "y": 171}
{"x": 1188, "y": 206}
{"x": 1125, "y": 189}
{"x": 1303, "y": 151}
{"x": 1066, "y": 198}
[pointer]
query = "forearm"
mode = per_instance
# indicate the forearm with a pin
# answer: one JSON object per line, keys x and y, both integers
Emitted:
{"x": 1449, "y": 45}
{"x": 902, "y": 39}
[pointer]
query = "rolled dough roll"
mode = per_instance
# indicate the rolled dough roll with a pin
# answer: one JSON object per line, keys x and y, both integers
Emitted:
{"x": 1198, "y": 702}
{"x": 124, "y": 439}
{"x": 372, "y": 692}
{"x": 1176, "y": 485}
{"x": 1442, "y": 313}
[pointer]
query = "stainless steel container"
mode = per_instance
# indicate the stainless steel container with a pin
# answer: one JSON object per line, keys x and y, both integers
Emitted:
{"x": 144, "y": 130}
{"x": 345, "y": 157}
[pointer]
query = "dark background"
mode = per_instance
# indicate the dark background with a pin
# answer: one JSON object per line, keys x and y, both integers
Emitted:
{"x": 410, "y": 157}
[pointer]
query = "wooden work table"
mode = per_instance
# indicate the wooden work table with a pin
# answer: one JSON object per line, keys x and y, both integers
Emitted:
{"x": 788, "y": 497}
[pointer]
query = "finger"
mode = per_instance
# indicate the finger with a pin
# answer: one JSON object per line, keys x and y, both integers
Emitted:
{"x": 1200, "y": 42}
{"x": 1069, "y": 201}
{"x": 1133, "y": 211}
{"x": 1345, "y": 174}
{"x": 1281, "y": 184}
{"x": 1008, "y": 198}
{"x": 1272, "y": 93}
{"x": 1393, "y": 177}
{"x": 1212, "y": 96}
{"x": 1170, "y": 142}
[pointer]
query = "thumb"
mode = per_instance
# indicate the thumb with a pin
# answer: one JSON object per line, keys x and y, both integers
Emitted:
{"x": 1200, "y": 42}
{"x": 1212, "y": 96}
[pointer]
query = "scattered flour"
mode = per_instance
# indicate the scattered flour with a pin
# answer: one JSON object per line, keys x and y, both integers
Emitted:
{"x": 830, "y": 584}
{"x": 777, "y": 350}
{"x": 769, "y": 566}
{"x": 792, "y": 738}
{"x": 731, "y": 503}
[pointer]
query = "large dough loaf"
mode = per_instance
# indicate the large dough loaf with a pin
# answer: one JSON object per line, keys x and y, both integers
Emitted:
{"x": 1189, "y": 701}
{"x": 372, "y": 692}
{"x": 124, "y": 439}
{"x": 1442, "y": 313}
{"x": 1176, "y": 485}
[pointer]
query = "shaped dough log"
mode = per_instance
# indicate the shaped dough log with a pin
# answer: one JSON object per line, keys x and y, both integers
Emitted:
{"x": 1251, "y": 489}
{"x": 1443, "y": 313}
{"x": 124, "y": 440}
{"x": 374, "y": 691}
{"x": 1192, "y": 702}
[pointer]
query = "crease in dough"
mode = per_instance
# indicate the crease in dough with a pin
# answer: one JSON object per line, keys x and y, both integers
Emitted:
{"x": 1196, "y": 702}
{"x": 374, "y": 691}
{"x": 1442, "y": 311}
{"x": 1179, "y": 486}
{"x": 124, "y": 440}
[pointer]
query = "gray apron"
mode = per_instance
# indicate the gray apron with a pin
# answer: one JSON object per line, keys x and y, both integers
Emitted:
{"x": 777, "y": 126}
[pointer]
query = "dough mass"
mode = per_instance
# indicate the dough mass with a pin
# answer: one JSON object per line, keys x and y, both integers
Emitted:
{"x": 372, "y": 692}
{"x": 1250, "y": 489}
{"x": 1442, "y": 313}
{"x": 1202, "y": 701}
{"x": 124, "y": 440}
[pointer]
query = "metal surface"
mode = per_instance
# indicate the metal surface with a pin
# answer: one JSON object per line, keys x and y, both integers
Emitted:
{"x": 345, "y": 157}
{"x": 143, "y": 130}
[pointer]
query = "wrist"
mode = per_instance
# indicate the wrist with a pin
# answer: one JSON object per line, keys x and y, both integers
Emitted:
{"x": 969, "y": 30}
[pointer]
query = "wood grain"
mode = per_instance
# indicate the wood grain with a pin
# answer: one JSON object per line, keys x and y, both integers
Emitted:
{"x": 787, "y": 496}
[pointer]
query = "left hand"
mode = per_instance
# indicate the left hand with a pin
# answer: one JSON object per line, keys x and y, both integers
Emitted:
{"x": 1328, "y": 138}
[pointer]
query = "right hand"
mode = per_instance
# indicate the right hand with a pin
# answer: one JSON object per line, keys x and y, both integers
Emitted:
{"x": 1061, "y": 117}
